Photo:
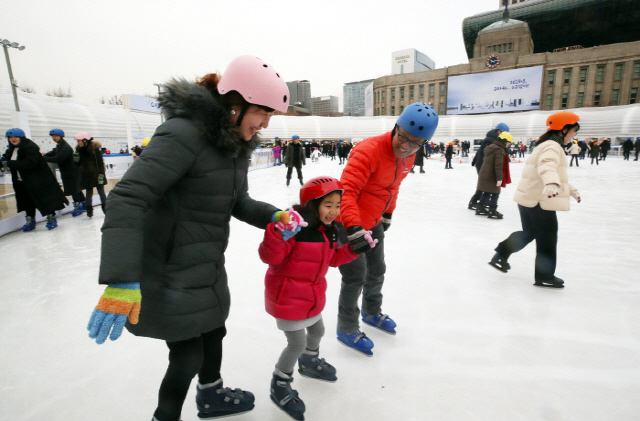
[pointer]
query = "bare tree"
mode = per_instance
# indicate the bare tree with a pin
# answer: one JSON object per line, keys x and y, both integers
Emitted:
{"x": 28, "y": 89}
{"x": 60, "y": 93}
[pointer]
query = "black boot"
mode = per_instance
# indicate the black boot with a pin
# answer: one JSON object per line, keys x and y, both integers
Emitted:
{"x": 104, "y": 208}
{"x": 412, "y": 171}
{"x": 288, "y": 181}
{"x": 422, "y": 171}
{"x": 493, "y": 213}
{"x": 500, "y": 263}
{"x": 286, "y": 398}
{"x": 217, "y": 401}
{"x": 301, "y": 182}
{"x": 482, "y": 209}
{"x": 550, "y": 283}
{"x": 473, "y": 204}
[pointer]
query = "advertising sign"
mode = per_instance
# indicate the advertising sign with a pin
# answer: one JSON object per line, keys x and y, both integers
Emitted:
{"x": 141, "y": 103}
{"x": 495, "y": 92}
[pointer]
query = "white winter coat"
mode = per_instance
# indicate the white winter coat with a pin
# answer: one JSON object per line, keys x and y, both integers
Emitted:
{"x": 547, "y": 164}
{"x": 575, "y": 149}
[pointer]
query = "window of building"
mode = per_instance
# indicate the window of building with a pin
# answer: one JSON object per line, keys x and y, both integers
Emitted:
{"x": 615, "y": 95}
{"x": 489, "y": 50}
{"x": 384, "y": 96}
{"x": 421, "y": 91}
{"x": 552, "y": 77}
{"x": 596, "y": 98}
{"x": 636, "y": 69}
{"x": 583, "y": 74}
{"x": 402, "y": 93}
{"x": 580, "y": 99}
{"x": 510, "y": 46}
{"x": 565, "y": 99}
{"x": 441, "y": 109}
{"x": 442, "y": 89}
{"x": 432, "y": 90}
{"x": 401, "y": 109}
{"x": 411, "y": 92}
{"x": 393, "y": 95}
{"x": 499, "y": 48}
{"x": 393, "y": 110}
{"x": 383, "y": 110}
{"x": 633, "y": 98}
{"x": 600, "y": 73}
{"x": 549, "y": 101}
{"x": 617, "y": 72}
{"x": 567, "y": 75}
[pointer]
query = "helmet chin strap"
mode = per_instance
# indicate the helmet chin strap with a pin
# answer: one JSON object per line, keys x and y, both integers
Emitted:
{"x": 245, "y": 107}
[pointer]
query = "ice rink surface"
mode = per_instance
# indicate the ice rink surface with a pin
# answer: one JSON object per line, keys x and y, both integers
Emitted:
{"x": 472, "y": 343}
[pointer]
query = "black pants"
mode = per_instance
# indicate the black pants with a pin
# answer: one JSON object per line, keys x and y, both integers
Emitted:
{"x": 489, "y": 198}
{"x": 572, "y": 158}
{"x": 604, "y": 155}
{"x": 298, "y": 170}
{"x": 596, "y": 158}
{"x": 78, "y": 197}
{"x": 540, "y": 225}
{"x": 637, "y": 153}
{"x": 476, "y": 196}
{"x": 201, "y": 356}
{"x": 448, "y": 163}
{"x": 103, "y": 198}
{"x": 626, "y": 154}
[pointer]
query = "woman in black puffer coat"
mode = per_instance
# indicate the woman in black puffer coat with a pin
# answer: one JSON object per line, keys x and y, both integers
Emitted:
{"x": 167, "y": 228}
{"x": 92, "y": 171}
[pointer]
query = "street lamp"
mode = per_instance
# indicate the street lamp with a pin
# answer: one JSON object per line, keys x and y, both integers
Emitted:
{"x": 5, "y": 45}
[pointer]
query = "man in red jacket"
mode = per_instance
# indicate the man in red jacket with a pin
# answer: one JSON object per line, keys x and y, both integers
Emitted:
{"x": 371, "y": 181}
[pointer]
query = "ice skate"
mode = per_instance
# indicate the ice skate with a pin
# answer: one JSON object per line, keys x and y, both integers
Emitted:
{"x": 552, "y": 283}
{"x": 382, "y": 322}
{"x": 482, "y": 210}
{"x": 30, "y": 225}
{"x": 493, "y": 213}
{"x": 473, "y": 204}
{"x": 500, "y": 263}
{"x": 310, "y": 365}
{"x": 288, "y": 181}
{"x": 285, "y": 398}
{"x": 52, "y": 222}
{"x": 217, "y": 401}
{"x": 77, "y": 210}
{"x": 357, "y": 341}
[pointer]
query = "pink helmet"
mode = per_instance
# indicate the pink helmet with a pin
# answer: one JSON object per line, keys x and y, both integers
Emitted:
{"x": 82, "y": 136}
{"x": 256, "y": 81}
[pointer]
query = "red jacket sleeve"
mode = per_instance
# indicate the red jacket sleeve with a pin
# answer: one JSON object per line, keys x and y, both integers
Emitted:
{"x": 344, "y": 255}
{"x": 273, "y": 249}
{"x": 354, "y": 177}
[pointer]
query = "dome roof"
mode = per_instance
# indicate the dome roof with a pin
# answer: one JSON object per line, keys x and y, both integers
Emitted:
{"x": 503, "y": 26}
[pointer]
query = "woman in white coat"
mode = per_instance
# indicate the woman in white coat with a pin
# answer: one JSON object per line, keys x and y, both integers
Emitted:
{"x": 543, "y": 190}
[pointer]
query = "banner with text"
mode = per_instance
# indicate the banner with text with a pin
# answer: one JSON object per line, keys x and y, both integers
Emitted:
{"x": 495, "y": 92}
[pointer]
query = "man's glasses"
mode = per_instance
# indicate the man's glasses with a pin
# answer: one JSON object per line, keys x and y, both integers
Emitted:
{"x": 404, "y": 139}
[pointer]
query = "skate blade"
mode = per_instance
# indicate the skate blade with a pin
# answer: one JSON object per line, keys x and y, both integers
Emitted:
{"x": 554, "y": 286}
{"x": 298, "y": 418}
{"x": 215, "y": 417}
{"x": 380, "y": 329}
{"x": 314, "y": 377}
{"x": 498, "y": 267}
{"x": 367, "y": 353}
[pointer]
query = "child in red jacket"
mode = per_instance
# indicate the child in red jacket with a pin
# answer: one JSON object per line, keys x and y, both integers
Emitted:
{"x": 295, "y": 286}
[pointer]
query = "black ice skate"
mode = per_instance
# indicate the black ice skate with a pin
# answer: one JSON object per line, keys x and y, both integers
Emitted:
{"x": 482, "y": 210}
{"x": 286, "y": 398}
{"x": 310, "y": 365}
{"x": 493, "y": 213}
{"x": 550, "y": 283}
{"x": 500, "y": 263}
{"x": 217, "y": 401}
{"x": 473, "y": 204}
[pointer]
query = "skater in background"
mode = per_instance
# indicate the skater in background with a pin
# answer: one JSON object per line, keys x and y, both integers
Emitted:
{"x": 574, "y": 150}
{"x": 92, "y": 171}
{"x": 62, "y": 155}
{"x": 490, "y": 138}
{"x": 627, "y": 147}
{"x": 34, "y": 184}
{"x": 419, "y": 162}
{"x": 295, "y": 158}
{"x": 276, "y": 153}
{"x": 371, "y": 180}
{"x": 164, "y": 236}
{"x": 494, "y": 175}
{"x": 448, "y": 154}
{"x": 605, "y": 146}
{"x": 315, "y": 155}
{"x": 543, "y": 189}
{"x": 637, "y": 146}
{"x": 594, "y": 152}
{"x": 295, "y": 286}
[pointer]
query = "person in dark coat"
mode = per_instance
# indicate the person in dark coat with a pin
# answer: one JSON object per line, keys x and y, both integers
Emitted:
{"x": 494, "y": 174}
{"x": 594, "y": 152}
{"x": 448, "y": 154}
{"x": 605, "y": 146}
{"x": 34, "y": 184}
{"x": 637, "y": 146}
{"x": 167, "y": 228}
{"x": 420, "y": 154}
{"x": 62, "y": 155}
{"x": 627, "y": 147}
{"x": 294, "y": 158}
{"x": 92, "y": 171}
{"x": 491, "y": 137}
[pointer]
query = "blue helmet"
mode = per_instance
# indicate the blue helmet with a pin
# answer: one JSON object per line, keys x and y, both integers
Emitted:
{"x": 502, "y": 127}
{"x": 419, "y": 119}
{"x": 295, "y": 137}
{"x": 15, "y": 132}
{"x": 56, "y": 132}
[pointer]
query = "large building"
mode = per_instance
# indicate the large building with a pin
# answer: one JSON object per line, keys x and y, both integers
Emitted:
{"x": 410, "y": 61}
{"x": 300, "y": 93}
{"x": 596, "y": 67}
{"x": 325, "y": 106}
{"x": 353, "y": 98}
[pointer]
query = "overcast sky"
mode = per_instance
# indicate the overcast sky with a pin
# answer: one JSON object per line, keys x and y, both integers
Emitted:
{"x": 104, "y": 48}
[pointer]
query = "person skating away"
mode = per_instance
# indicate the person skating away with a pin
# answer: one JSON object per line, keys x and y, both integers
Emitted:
{"x": 295, "y": 286}
{"x": 627, "y": 147}
{"x": 294, "y": 158}
{"x": 371, "y": 180}
{"x": 490, "y": 138}
{"x": 62, "y": 155}
{"x": 276, "y": 153}
{"x": 594, "y": 152}
{"x": 605, "y": 146}
{"x": 164, "y": 237}
{"x": 91, "y": 170}
{"x": 574, "y": 150}
{"x": 315, "y": 155}
{"x": 637, "y": 146}
{"x": 34, "y": 184}
{"x": 448, "y": 154}
{"x": 543, "y": 189}
{"x": 494, "y": 174}
{"x": 419, "y": 161}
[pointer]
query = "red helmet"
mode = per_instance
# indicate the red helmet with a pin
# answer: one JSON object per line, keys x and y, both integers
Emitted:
{"x": 318, "y": 187}
{"x": 558, "y": 120}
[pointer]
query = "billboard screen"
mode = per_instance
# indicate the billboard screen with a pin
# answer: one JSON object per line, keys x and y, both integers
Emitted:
{"x": 495, "y": 92}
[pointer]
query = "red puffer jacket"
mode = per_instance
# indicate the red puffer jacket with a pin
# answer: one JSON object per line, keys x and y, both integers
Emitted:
{"x": 371, "y": 181}
{"x": 295, "y": 282}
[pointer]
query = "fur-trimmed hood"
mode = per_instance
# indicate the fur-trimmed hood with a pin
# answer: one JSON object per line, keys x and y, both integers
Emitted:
{"x": 181, "y": 98}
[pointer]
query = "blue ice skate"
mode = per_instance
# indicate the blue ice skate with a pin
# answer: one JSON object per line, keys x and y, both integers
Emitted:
{"x": 77, "y": 209}
{"x": 30, "y": 225}
{"x": 52, "y": 222}
{"x": 382, "y": 322}
{"x": 357, "y": 341}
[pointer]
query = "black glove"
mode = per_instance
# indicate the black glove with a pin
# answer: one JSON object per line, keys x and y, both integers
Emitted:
{"x": 358, "y": 243}
{"x": 386, "y": 221}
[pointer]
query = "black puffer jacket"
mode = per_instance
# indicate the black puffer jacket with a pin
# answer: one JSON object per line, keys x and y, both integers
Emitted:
{"x": 492, "y": 136}
{"x": 37, "y": 178}
{"x": 62, "y": 155}
{"x": 91, "y": 164}
{"x": 167, "y": 224}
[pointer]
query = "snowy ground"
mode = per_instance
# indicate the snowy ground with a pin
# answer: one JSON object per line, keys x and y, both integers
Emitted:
{"x": 472, "y": 343}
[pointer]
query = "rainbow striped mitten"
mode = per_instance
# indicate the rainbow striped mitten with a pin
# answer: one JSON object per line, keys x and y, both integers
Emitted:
{"x": 119, "y": 302}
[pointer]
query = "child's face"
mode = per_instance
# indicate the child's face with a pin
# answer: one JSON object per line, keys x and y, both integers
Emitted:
{"x": 329, "y": 208}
